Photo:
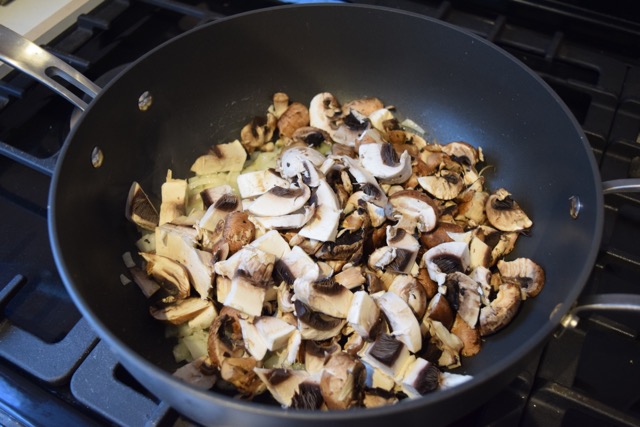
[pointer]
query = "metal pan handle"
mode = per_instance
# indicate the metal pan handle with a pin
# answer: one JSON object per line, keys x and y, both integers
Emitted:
{"x": 31, "y": 59}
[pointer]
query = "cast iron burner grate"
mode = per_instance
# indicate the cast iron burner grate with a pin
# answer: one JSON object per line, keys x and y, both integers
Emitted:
{"x": 53, "y": 370}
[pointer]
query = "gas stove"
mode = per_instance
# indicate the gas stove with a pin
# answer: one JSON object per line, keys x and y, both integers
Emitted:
{"x": 55, "y": 371}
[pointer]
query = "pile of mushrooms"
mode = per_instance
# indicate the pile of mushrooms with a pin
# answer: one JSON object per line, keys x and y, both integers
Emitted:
{"x": 356, "y": 271}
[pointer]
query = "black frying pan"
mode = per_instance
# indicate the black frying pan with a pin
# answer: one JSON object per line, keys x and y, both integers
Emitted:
{"x": 209, "y": 82}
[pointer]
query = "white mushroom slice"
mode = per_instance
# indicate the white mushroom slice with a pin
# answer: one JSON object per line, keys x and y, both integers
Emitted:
{"x": 446, "y": 258}
{"x": 482, "y": 276}
{"x": 342, "y": 381}
{"x": 524, "y": 272}
{"x": 218, "y": 211}
{"x": 181, "y": 311}
{"x": 280, "y": 201}
{"x": 197, "y": 374}
{"x": 324, "y": 110}
{"x": 364, "y": 315}
{"x": 464, "y": 291}
{"x": 273, "y": 243}
{"x": 412, "y": 209}
{"x": 316, "y": 326}
{"x": 286, "y": 222}
{"x": 479, "y": 253}
{"x": 177, "y": 244}
{"x": 282, "y": 383}
{"x": 407, "y": 248}
{"x": 252, "y": 184}
{"x": 403, "y": 322}
{"x": 383, "y": 162}
{"x": 502, "y": 309}
{"x": 147, "y": 285}
{"x": 381, "y": 257}
{"x": 411, "y": 292}
{"x": 253, "y": 341}
{"x": 316, "y": 354}
{"x": 378, "y": 117}
{"x": 323, "y": 225}
{"x": 443, "y": 185}
{"x": 171, "y": 275}
{"x": 296, "y": 264}
{"x": 420, "y": 378}
{"x": 139, "y": 208}
{"x": 350, "y": 277}
{"x": 450, "y": 344}
{"x": 388, "y": 354}
{"x": 504, "y": 213}
{"x": 368, "y": 184}
{"x": 449, "y": 379}
{"x": 229, "y": 157}
{"x": 324, "y": 296}
{"x": 174, "y": 198}
{"x": 246, "y": 295}
{"x": 275, "y": 332}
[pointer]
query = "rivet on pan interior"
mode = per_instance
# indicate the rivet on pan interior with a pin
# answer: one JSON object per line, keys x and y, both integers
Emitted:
{"x": 575, "y": 206}
{"x": 97, "y": 157}
{"x": 144, "y": 101}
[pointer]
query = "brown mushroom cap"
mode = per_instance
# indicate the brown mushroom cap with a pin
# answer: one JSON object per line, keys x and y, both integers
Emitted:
{"x": 294, "y": 117}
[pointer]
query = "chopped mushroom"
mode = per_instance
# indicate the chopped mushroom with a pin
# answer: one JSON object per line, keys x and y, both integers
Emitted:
{"x": 443, "y": 185}
{"x": 229, "y": 157}
{"x": 342, "y": 381}
{"x": 502, "y": 309}
{"x": 280, "y": 201}
{"x": 446, "y": 258}
{"x": 325, "y": 296}
{"x": 404, "y": 325}
{"x": 294, "y": 117}
{"x": 140, "y": 210}
{"x": 524, "y": 272}
{"x": 364, "y": 316}
{"x": 172, "y": 276}
{"x": 181, "y": 311}
{"x": 504, "y": 213}
{"x": 382, "y": 161}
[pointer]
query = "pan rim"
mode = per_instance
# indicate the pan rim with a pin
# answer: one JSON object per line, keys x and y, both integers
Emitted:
{"x": 127, "y": 355}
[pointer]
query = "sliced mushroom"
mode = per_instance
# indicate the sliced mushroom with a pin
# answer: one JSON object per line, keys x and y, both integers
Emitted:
{"x": 368, "y": 184}
{"x": 378, "y": 117}
{"x": 181, "y": 311}
{"x": 239, "y": 371}
{"x": 218, "y": 211}
{"x": 502, "y": 309}
{"x": 446, "y": 258}
{"x": 139, "y": 208}
{"x": 197, "y": 373}
{"x": 525, "y": 273}
{"x": 364, "y": 316}
{"x": 316, "y": 354}
{"x": 388, "y": 354}
{"x": 272, "y": 243}
{"x": 450, "y": 345}
{"x": 296, "y": 264}
{"x": 420, "y": 378}
{"x": 252, "y": 184}
{"x": 294, "y": 117}
{"x": 316, "y": 326}
{"x": 311, "y": 136}
{"x": 324, "y": 296}
{"x": 382, "y": 161}
{"x": 470, "y": 337}
{"x": 443, "y": 185}
{"x": 225, "y": 337}
{"x": 347, "y": 247}
{"x": 351, "y": 129}
{"x": 411, "y": 292}
{"x": 350, "y": 277}
{"x": 147, "y": 285}
{"x": 178, "y": 244}
{"x": 283, "y": 384}
{"x": 440, "y": 310}
{"x": 169, "y": 274}
{"x": 323, "y": 225}
{"x": 407, "y": 248}
{"x": 280, "y": 201}
{"x": 253, "y": 342}
{"x": 246, "y": 294}
{"x": 364, "y": 106}
{"x": 404, "y": 324}
{"x": 412, "y": 209}
{"x": 301, "y": 161}
{"x": 293, "y": 220}
{"x": 174, "y": 197}
{"x": 324, "y": 111}
{"x": 258, "y": 132}
{"x": 228, "y": 157}
{"x": 342, "y": 381}
{"x": 463, "y": 296}
{"x": 463, "y": 153}
{"x": 504, "y": 213}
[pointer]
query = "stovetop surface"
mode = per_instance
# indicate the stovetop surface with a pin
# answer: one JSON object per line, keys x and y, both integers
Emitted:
{"x": 589, "y": 54}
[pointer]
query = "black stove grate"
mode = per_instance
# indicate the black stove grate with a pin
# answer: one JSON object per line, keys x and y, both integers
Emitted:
{"x": 54, "y": 371}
